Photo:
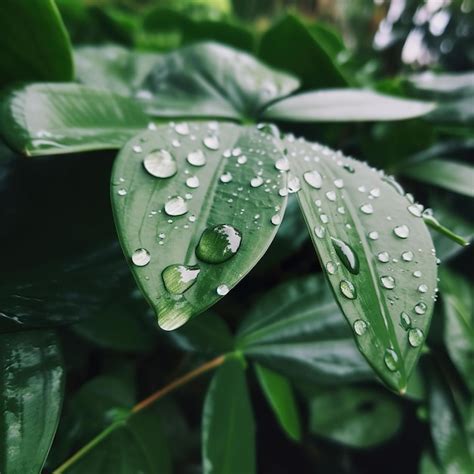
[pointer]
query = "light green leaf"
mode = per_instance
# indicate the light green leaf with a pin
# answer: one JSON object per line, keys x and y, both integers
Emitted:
{"x": 345, "y": 105}
{"x": 45, "y": 119}
{"x": 298, "y": 330}
{"x": 211, "y": 80}
{"x": 228, "y": 427}
{"x": 370, "y": 240}
{"x": 31, "y": 388}
{"x": 34, "y": 45}
{"x": 355, "y": 416}
{"x": 453, "y": 176}
{"x": 443, "y": 83}
{"x": 280, "y": 396}
{"x": 234, "y": 202}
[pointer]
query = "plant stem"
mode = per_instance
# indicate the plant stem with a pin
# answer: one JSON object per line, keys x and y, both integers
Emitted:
{"x": 435, "y": 225}
{"x": 141, "y": 406}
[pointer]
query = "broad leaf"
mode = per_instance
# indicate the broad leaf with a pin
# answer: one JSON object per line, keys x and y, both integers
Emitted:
{"x": 297, "y": 330}
{"x": 194, "y": 232}
{"x": 289, "y": 46}
{"x": 345, "y": 105}
{"x": 41, "y": 119}
{"x": 376, "y": 251}
{"x": 34, "y": 45}
{"x": 443, "y": 83}
{"x": 280, "y": 396}
{"x": 453, "y": 176}
{"x": 355, "y": 416}
{"x": 211, "y": 80}
{"x": 228, "y": 427}
{"x": 31, "y": 386}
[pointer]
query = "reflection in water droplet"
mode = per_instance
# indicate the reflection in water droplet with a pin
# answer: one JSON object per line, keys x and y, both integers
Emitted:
{"x": 256, "y": 182}
{"x": 293, "y": 184}
{"x": 383, "y": 257}
{"x": 388, "y": 282}
{"x": 314, "y": 179}
{"x": 196, "y": 158}
{"x": 211, "y": 142}
{"x": 415, "y": 337}
{"x": 374, "y": 235}
{"x": 276, "y": 219}
{"x": 320, "y": 231}
{"x": 346, "y": 254}
{"x": 226, "y": 177}
{"x": 331, "y": 268}
{"x": 160, "y": 163}
{"x": 176, "y": 206}
{"x": 192, "y": 182}
{"x": 391, "y": 360}
{"x": 348, "y": 289}
{"x": 423, "y": 288}
{"x": 401, "y": 231}
{"x": 222, "y": 290}
{"x": 360, "y": 327}
{"x": 407, "y": 256}
{"x": 282, "y": 164}
{"x": 416, "y": 210}
{"x": 367, "y": 208}
{"x": 218, "y": 243}
{"x": 179, "y": 278}
{"x": 141, "y": 257}
{"x": 405, "y": 320}
{"x": 420, "y": 308}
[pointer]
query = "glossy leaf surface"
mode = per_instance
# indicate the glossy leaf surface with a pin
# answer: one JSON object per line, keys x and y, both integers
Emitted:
{"x": 211, "y": 220}
{"x": 41, "y": 119}
{"x": 376, "y": 251}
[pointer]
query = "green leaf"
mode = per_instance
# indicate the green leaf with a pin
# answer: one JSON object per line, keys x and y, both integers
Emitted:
{"x": 454, "y": 112}
{"x": 370, "y": 239}
{"x": 211, "y": 80}
{"x": 358, "y": 417}
{"x": 175, "y": 235}
{"x": 453, "y": 176}
{"x": 428, "y": 464}
{"x": 445, "y": 83}
{"x": 298, "y": 330}
{"x": 458, "y": 303}
{"x": 289, "y": 46}
{"x": 228, "y": 427}
{"x": 345, "y": 105}
{"x": 41, "y": 119}
{"x": 34, "y": 45}
{"x": 31, "y": 387}
{"x": 280, "y": 396}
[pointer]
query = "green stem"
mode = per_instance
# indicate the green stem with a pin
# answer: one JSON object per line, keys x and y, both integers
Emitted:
{"x": 436, "y": 225}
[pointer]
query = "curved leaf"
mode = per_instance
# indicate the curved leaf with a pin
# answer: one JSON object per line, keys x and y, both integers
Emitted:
{"x": 211, "y": 80}
{"x": 34, "y": 43}
{"x": 224, "y": 196}
{"x": 345, "y": 105}
{"x": 228, "y": 427}
{"x": 31, "y": 386}
{"x": 40, "y": 119}
{"x": 378, "y": 255}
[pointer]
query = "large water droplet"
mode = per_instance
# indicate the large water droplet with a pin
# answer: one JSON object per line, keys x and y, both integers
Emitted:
{"x": 282, "y": 164}
{"x": 391, "y": 360}
{"x": 348, "y": 289}
{"x": 367, "y": 208}
{"x": 196, "y": 158}
{"x": 294, "y": 184}
{"x": 276, "y": 219}
{"x": 256, "y": 182}
{"x": 360, "y": 327}
{"x": 401, "y": 231}
{"x": 176, "y": 206}
{"x": 314, "y": 179}
{"x": 218, "y": 243}
{"x": 346, "y": 254}
{"x": 161, "y": 164}
{"x": 416, "y": 210}
{"x": 407, "y": 256}
{"x": 178, "y": 278}
{"x": 141, "y": 257}
{"x": 222, "y": 290}
{"x": 388, "y": 282}
{"x": 211, "y": 142}
{"x": 192, "y": 182}
{"x": 415, "y": 337}
{"x": 420, "y": 308}
{"x": 405, "y": 320}
{"x": 320, "y": 231}
{"x": 383, "y": 257}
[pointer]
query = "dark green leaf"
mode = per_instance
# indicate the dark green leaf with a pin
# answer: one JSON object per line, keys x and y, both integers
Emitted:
{"x": 428, "y": 464}
{"x": 228, "y": 427}
{"x": 298, "y": 330}
{"x": 288, "y": 45}
{"x": 355, "y": 416}
{"x": 280, "y": 396}
{"x": 31, "y": 387}
{"x": 34, "y": 45}
{"x": 455, "y": 112}
{"x": 372, "y": 275}
{"x": 345, "y": 105}
{"x": 41, "y": 119}
{"x": 224, "y": 197}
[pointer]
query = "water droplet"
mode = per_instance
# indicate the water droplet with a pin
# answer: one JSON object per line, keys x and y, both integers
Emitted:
{"x": 331, "y": 268}
{"x": 179, "y": 278}
{"x": 196, "y": 158}
{"x": 218, "y": 243}
{"x": 242, "y": 160}
{"x": 331, "y": 196}
{"x": 383, "y": 257}
{"x": 423, "y": 288}
{"x": 182, "y": 128}
{"x": 276, "y": 219}
{"x": 401, "y": 231}
{"x": 417, "y": 274}
{"x": 269, "y": 129}
{"x": 415, "y": 337}
{"x": 141, "y": 257}
{"x": 226, "y": 177}
{"x": 320, "y": 231}
{"x": 348, "y": 289}
{"x": 416, "y": 210}
{"x": 407, "y": 256}
{"x": 122, "y": 192}
{"x": 375, "y": 192}
{"x": 389, "y": 180}
{"x": 256, "y": 182}
{"x": 176, "y": 206}
{"x": 391, "y": 360}
{"x": 222, "y": 290}
{"x": 367, "y": 208}
{"x": 137, "y": 149}
{"x": 283, "y": 192}
{"x": 339, "y": 183}
{"x": 314, "y": 179}
{"x": 388, "y": 282}
{"x": 374, "y": 235}
{"x": 420, "y": 308}
{"x": 405, "y": 320}
{"x": 360, "y": 327}
{"x": 294, "y": 184}
{"x": 348, "y": 168}
{"x": 341, "y": 210}
{"x": 346, "y": 254}
{"x": 282, "y": 164}
{"x": 211, "y": 142}
{"x": 192, "y": 182}
{"x": 161, "y": 164}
